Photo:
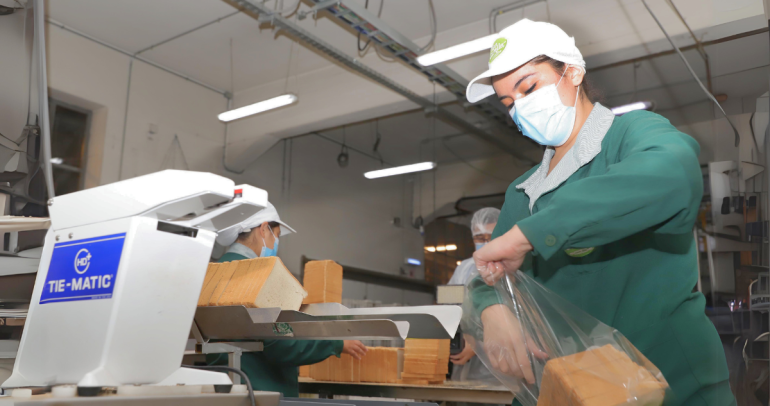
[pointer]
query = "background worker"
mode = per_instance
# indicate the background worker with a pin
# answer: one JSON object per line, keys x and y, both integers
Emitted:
{"x": 483, "y": 223}
{"x": 605, "y": 220}
{"x": 276, "y": 368}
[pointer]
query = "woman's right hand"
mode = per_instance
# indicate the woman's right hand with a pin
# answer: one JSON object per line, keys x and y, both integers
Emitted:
{"x": 503, "y": 254}
{"x": 505, "y": 345}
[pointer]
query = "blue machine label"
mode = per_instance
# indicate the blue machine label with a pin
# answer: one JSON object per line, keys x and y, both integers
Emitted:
{"x": 83, "y": 269}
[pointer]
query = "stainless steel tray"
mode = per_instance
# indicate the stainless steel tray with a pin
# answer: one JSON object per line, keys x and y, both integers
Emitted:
{"x": 242, "y": 323}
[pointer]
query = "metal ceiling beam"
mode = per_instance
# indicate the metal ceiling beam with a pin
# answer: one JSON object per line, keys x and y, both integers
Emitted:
{"x": 267, "y": 14}
{"x": 357, "y": 17}
{"x": 686, "y": 48}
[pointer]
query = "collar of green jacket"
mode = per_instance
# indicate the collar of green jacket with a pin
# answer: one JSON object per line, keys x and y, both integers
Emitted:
{"x": 586, "y": 148}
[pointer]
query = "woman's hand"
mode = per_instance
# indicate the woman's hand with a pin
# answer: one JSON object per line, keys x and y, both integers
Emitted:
{"x": 354, "y": 348}
{"x": 464, "y": 356}
{"x": 505, "y": 345}
{"x": 503, "y": 254}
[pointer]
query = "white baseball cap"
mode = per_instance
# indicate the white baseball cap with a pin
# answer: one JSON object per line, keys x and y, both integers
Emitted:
{"x": 520, "y": 43}
{"x": 228, "y": 236}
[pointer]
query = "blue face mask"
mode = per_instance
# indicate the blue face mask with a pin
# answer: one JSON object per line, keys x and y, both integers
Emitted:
{"x": 269, "y": 252}
{"x": 480, "y": 244}
{"x": 544, "y": 118}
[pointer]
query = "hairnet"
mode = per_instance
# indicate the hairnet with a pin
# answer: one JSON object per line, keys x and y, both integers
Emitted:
{"x": 484, "y": 220}
{"x": 228, "y": 236}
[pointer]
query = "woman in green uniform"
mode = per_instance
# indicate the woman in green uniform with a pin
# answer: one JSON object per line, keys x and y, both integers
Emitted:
{"x": 276, "y": 367}
{"x": 605, "y": 220}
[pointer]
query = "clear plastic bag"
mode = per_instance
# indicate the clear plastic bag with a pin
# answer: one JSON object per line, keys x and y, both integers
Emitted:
{"x": 549, "y": 352}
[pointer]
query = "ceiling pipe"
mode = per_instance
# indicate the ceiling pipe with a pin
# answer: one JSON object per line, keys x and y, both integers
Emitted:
{"x": 687, "y": 48}
{"x": 267, "y": 14}
{"x": 38, "y": 8}
{"x": 356, "y": 17}
{"x": 692, "y": 72}
{"x": 698, "y": 44}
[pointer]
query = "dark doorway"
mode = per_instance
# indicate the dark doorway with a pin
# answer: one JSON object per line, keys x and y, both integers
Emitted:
{"x": 70, "y": 126}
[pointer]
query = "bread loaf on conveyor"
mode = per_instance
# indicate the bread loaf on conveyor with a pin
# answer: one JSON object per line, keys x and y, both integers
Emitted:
{"x": 323, "y": 282}
{"x": 259, "y": 282}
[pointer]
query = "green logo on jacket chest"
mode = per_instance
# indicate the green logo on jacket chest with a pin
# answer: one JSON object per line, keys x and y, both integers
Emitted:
{"x": 579, "y": 252}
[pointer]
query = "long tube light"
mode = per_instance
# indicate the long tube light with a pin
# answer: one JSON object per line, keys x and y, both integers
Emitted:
{"x": 457, "y": 51}
{"x": 627, "y": 108}
{"x": 400, "y": 170}
{"x": 257, "y": 108}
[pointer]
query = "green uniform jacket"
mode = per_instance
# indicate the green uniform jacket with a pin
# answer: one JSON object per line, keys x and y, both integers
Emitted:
{"x": 635, "y": 203}
{"x": 275, "y": 369}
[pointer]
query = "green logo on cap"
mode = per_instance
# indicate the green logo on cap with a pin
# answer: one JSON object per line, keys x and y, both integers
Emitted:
{"x": 497, "y": 48}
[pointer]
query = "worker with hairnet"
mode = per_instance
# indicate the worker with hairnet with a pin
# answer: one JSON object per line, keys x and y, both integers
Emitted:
{"x": 276, "y": 368}
{"x": 468, "y": 367}
{"x": 482, "y": 225}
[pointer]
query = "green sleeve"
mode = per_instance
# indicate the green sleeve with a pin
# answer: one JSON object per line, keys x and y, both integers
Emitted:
{"x": 656, "y": 182}
{"x": 231, "y": 256}
{"x": 482, "y": 295}
{"x": 300, "y": 352}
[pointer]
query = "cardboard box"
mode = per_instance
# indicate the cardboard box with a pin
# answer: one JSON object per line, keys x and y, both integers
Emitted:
{"x": 323, "y": 282}
{"x": 259, "y": 282}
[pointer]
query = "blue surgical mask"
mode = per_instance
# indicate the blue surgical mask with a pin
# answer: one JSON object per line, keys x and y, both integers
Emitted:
{"x": 269, "y": 252}
{"x": 544, "y": 118}
{"x": 480, "y": 244}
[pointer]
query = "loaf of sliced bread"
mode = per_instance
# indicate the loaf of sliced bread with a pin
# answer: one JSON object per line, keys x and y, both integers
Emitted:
{"x": 260, "y": 282}
{"x": 323, "y": 282}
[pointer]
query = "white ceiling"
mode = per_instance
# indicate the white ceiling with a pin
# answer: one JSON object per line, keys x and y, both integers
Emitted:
{"x": 261, "y": 57}
{"x": 605, "y": 31}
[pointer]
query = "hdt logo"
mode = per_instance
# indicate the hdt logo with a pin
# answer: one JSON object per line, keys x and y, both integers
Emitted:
{"x": 82, "y": 261}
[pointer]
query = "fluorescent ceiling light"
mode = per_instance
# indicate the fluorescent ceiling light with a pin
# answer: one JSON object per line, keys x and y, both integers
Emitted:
{"x": 466, "y": 48}
{"x": 441, "y": 248}
{"x": 400, "y": 170}
{"x": 57, "y": 161}
{"x": 430, "y": 249}
{"x": 257, "y": 108}
{"x": 413, "y": 261}
{"x": 627, "y": 108}
{"x": 451, "y": 247}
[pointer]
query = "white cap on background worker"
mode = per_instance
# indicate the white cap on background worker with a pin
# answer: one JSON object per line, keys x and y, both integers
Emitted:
{"x": 257, "y": 236}
{"x": 269, "y": 214}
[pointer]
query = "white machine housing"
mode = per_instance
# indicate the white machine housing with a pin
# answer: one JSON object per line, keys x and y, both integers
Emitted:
{"x": 142, "y": 246}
